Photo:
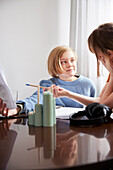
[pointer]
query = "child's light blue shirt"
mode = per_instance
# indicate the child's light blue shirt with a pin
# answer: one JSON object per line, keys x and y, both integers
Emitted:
{"x": 81, "y": 85}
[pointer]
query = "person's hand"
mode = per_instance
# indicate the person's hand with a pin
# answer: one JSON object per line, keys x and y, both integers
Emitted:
{"x": 7, "y": 112}
{"x": 12, "y": 112}
{"x": 3, "y": 108}
{"x": 59, "y": 92}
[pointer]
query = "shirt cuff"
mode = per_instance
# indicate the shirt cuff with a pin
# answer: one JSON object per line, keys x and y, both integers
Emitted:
{"x": 21, "y": 107}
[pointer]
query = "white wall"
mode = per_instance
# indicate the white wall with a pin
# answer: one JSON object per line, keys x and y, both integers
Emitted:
{"x": 29, "y": 30}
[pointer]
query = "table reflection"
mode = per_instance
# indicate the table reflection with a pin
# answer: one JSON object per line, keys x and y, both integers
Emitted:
{"x": 103, "y": 135}
{"x": 44, "y": 137}
{"x": 7, "y": 140}
{"x": 66, "y": 152}
{"x": 59, "y": 146}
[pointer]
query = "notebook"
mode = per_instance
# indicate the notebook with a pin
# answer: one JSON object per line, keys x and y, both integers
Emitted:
{"x": 65, "y": 112}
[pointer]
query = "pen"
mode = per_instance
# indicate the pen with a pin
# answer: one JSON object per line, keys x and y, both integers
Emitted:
{"x": 37, "y": 86}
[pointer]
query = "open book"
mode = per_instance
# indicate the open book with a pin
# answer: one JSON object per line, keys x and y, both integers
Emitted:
{"x": 64, "y": 112}
{"x": 5, "y": 93}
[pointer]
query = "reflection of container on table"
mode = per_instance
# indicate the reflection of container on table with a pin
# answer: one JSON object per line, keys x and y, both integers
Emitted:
{"x": 38, "y": 133}
{"x": 31, "y": 130}
{"x": 38, "y": 137}
{"x": 44, "y": 137}
{"x": 49, "y": 137}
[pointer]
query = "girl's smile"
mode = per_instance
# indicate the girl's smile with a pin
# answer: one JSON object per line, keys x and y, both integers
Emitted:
{"x": 68, "y": 65}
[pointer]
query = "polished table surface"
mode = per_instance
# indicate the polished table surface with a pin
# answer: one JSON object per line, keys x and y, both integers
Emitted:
{"x": 60, "y": 147}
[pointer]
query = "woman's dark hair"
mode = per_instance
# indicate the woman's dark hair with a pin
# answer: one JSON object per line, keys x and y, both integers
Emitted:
{"x": 101, "y": 38}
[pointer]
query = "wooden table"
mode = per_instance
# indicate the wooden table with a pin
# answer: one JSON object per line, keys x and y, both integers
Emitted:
{"x": 63, "y": 146}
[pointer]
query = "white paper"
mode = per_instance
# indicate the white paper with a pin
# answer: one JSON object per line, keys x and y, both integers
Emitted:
{"x": 5, "y": 93}
{"x": 64, "y": 112}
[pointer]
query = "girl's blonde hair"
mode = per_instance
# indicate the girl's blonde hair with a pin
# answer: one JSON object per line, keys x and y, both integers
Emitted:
{"x": 54, "y": 65}
{"x": 101, "y": 39}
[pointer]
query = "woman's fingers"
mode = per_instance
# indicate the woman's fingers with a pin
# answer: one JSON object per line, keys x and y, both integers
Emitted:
{"x": 3, "y": 108}
{"x": 1, "y": 102}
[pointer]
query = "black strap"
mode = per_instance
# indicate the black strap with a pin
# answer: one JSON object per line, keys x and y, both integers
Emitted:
{"x": 13, "y": 117}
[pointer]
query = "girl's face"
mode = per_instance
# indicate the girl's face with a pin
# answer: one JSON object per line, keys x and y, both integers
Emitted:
{"x": 106, "y": 59}
{"x": 68, "y": 64}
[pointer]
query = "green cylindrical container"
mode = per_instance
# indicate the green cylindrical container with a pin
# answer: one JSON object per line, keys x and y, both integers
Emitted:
{"x": 31, "y": 119}
{"x": 38, "y": 115}
{"x": 48, "y": 109}
{"x": 54, "y": 114}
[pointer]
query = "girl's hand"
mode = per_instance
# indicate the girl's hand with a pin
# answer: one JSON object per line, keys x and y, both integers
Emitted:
{"x": 59, "y": 92}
